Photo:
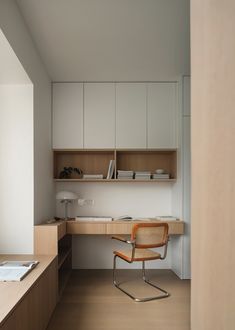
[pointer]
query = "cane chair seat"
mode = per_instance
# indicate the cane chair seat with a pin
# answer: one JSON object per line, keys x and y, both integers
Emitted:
{"x": 139, "y": 255}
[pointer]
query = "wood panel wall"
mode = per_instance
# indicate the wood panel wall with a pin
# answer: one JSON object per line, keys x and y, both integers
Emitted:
{"x": 213, "y": 164}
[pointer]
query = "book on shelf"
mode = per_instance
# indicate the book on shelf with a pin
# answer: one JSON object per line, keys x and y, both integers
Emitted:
{"x": 111, "y": 169}
{"x": 93, "y": 218}
{"x": 15, "y": 270}
{"x": 125, "y": 175}
{"x": 142, "y": 175}
{"x": 93, "y": 176}
{"x": 161, "y": 176}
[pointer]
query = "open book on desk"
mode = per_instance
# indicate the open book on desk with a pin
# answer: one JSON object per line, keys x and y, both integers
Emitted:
{"x": 128, "y": 218}
{"x": 93, "y": 218}
{"x": 15, "y": 270}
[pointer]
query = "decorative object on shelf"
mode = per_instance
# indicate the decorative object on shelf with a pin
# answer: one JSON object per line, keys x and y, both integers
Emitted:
{"x": 160, "y": 171}
{"x": 67, "y": 171}
{"x": 66, "y": 197}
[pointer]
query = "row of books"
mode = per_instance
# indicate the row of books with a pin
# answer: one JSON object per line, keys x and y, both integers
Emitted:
{"x": 127, "y": 175}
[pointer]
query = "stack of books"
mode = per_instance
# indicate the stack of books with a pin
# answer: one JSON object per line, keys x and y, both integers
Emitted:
{"x": 93, "y": 176}
{"x": 161, "y": 176}
{"x": 125, "y": 175}
{"x": 142, "y": 175}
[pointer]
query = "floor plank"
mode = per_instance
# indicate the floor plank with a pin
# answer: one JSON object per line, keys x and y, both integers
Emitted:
{"x": 91, "y": 302}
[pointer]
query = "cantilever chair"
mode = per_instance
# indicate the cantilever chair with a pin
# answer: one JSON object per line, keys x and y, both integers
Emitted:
{"x": 144, "y": 236}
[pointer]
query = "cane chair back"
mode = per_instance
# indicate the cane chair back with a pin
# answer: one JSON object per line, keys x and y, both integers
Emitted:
{"x": 150, "y": 235}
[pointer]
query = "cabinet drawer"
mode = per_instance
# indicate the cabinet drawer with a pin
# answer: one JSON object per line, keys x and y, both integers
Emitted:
{"x": 119, "y": 228}
{"x": 86, "y": 228}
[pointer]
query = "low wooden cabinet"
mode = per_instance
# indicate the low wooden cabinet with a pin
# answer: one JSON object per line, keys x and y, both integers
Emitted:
{"x": 52, "y": 239}
{"x": 29, "y": 304}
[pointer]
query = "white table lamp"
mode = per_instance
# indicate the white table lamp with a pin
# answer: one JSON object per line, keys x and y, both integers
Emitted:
{"x": 66, "y": 197}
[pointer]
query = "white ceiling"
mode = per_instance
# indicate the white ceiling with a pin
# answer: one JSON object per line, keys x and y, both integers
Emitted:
{"x": 97, "y": 40}
{"x": 11, "y": 70}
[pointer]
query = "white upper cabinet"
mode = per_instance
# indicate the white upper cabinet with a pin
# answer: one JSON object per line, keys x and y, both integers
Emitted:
{"x": 186, "y": 96}
{"x": 131, "y": 115}
{"x": 67, "y": 115}
{"x": 99, "y": 115}
{"x": 161, "y": 114}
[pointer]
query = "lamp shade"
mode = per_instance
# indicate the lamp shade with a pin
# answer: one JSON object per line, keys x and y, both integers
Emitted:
{"x": 66, "y": 195}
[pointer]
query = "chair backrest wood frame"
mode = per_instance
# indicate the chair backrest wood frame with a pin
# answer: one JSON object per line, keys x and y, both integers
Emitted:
{"x": 140, "y": 226}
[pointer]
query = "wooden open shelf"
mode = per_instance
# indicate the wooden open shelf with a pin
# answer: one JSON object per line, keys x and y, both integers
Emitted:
{"x": 89, "y": 161}
{"x": 52, "y": 239}
{"x": 97, "y": 162}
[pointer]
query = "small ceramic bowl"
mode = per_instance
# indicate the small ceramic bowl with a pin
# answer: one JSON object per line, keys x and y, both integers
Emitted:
{"x": 160, "y": 171}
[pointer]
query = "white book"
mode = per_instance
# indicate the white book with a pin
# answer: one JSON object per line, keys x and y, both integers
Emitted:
{"x": 121, "y": 172}
{"x": 93, "y": 176}
{"x": 111, "y": 169}
{"x": 15, "y": 270}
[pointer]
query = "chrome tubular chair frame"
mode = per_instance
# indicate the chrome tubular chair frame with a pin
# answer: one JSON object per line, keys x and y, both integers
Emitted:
{"x": 118, "y": 285}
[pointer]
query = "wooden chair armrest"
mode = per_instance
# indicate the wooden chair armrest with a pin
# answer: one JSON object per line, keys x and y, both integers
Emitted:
{"x": 123, "y": 239}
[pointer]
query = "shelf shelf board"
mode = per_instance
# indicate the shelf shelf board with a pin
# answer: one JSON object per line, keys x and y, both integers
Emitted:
{"x": 114, "y": 180}
{"x": 62, "y": 257}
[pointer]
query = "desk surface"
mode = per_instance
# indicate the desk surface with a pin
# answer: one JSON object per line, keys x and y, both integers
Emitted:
{"x": 12, "y": 293}
{"x": 116, "y": 227}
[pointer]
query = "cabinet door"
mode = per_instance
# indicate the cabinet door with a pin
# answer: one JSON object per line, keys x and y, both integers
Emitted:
{"x": 186, "y": 96}
{"x": 99, "y": 115}
{"x": 161, "y": 115}
{"x": 67, "y": 115}
{"x": 131, "y": 115}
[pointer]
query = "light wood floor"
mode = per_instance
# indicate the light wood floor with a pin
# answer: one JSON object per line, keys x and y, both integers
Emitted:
{"x": 91, "y": 302}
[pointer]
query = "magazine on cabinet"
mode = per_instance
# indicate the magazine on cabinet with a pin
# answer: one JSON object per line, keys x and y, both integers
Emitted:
{"x": 15, "y": 270}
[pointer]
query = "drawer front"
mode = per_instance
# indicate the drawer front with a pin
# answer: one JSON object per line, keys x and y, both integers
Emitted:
{"x": 176, "y": 228}
{"x": 86, "y": 228}
{"x": 119, "y": 228}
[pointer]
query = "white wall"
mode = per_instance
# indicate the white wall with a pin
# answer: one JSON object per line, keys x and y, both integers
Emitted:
{"x": 16, "y": 168}
{"x": 15, "y": 30}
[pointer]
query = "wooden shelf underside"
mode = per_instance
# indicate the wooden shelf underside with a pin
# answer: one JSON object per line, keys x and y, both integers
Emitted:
{"x": 113, "y": 180}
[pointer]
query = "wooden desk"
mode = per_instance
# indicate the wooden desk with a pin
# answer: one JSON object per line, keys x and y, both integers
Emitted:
{"x": 116, "y": 227}
{"x": 28, "y": 304}
{"x": 55, "y": 239}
